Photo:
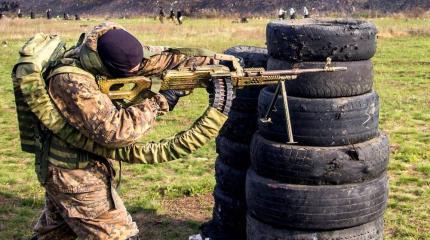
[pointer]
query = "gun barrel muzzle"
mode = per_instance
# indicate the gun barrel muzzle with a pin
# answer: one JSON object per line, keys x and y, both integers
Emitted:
{"x": 336, "y": 69}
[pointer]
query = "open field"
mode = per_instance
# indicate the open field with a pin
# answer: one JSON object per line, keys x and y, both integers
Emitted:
{"x": 169, "y": 201}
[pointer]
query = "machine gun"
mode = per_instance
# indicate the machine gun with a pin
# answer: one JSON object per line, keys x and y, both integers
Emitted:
{"x": 223, "y": 79}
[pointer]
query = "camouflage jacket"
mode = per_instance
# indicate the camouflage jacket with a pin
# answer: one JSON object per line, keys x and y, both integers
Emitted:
{"x": 94, "y": 114}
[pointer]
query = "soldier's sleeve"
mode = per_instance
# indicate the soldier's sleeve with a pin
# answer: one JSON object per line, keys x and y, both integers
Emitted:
{"x": 168, "y": 60}
{"x": 94, "y": 115}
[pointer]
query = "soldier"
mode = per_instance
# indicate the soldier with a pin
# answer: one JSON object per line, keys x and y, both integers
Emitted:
{"x": 244, "y": 20}
{"x": 281, "y": 14}
{"x": 80, "y": 200}
{"x": 172, "y": 15}
{"x": 161, "y": 15}
{"x": 306, "y": 12}
{"x": 179, "y": 17}
{"x": 49, "y": 13}
{"x": 292, "y": 13}
{"x": 32, "y": 16}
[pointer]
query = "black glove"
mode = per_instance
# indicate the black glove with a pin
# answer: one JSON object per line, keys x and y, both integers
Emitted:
{"x": 172, "y": 97}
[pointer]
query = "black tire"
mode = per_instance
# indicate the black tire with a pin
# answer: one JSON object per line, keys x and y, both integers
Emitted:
{"x": 229, "y": 212}
{"x": 322, "y": 121}
{"x": 306, "y": 207}
{"x": 233, "y": 153}
{"x": 358, "y": 79}
{"x": 320, "y": 165}
{"x": 247, "y": 99}
{"x": 315, "y": 40}
{"x": 240, "y": 126}
{"x": 230, "y": 180}
{"x": 370, "y": 231}
{"x": 252, "y": 56}
{"x": 213, "y": 231}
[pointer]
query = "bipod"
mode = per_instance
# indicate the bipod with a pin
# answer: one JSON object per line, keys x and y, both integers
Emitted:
{"x": 280, "y": 88}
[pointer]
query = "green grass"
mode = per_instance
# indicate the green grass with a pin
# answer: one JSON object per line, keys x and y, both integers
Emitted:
{"x": 402, "y": 79}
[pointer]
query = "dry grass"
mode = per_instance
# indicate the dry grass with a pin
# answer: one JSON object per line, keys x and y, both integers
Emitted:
{"x": 151, "y": 32}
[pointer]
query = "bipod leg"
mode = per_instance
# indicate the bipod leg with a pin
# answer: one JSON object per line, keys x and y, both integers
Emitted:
{"x": 287, "y": 114}
{"x": 266, "y": 118}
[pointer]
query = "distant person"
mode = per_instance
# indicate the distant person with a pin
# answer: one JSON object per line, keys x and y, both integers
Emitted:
{"x": 66, "y": 16}
{"x": 244, "y": 20}
{"x": 161, "y": 15}
{"x": 179, "y": 17}
{"x": 292, "y": 13}
{"x": 19, "y": 13}
{"x": 77, "y": 17}
{"x": 1, "y": 15}
{"x": 306, "y": 12}
{"x": 172, "y": 15}
{"x": 281, "y": 14}
{"x": 32, "y": 15}
{"x": 49, "y": 14}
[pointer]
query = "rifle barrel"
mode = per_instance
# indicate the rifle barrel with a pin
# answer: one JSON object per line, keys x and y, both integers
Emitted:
{"x": 301, "y": 71}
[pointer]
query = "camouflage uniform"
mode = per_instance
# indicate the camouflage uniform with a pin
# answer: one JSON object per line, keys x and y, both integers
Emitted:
{"x": 80, "y": 199}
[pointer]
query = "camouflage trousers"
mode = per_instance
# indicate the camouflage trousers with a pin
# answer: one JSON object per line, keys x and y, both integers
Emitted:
{"x": 81, "y": 204}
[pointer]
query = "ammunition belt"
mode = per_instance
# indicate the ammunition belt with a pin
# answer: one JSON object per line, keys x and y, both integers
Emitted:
{"x": 223, "y": 94}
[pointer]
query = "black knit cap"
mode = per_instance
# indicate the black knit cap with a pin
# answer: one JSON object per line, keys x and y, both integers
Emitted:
{"x": 120, "y": 52}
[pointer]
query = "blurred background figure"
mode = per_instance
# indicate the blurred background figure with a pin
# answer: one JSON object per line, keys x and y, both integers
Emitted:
{"x": 77, "y": 17}
{"x": 49, "y": 13}
{"x": 19, "y": 13}
{"x": 172, "y": 15}
{"x": 66, "y": 16}
{"x": 179, "y": 17}
{"x": 1, "y": 15}
{"x": 32, "y": 16}
{"x": 281, "y": 14}
{"x": 292, "y": 13}
{"x": 161, "y": 15}
{"x": 306, "y": 12}
{"x": 244, "y": 20}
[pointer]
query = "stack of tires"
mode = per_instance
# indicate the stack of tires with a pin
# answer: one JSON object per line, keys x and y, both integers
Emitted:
{"x": 229, "y": 212}
{"x": 332, "y": 184}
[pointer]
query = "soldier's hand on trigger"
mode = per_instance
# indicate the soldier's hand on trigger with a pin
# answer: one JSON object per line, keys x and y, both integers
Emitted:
{"x": 172, "y": 97}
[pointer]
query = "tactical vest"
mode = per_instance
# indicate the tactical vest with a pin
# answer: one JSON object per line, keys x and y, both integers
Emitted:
{"x": 45, "y": 132}
{"x": 35, "y": 57}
